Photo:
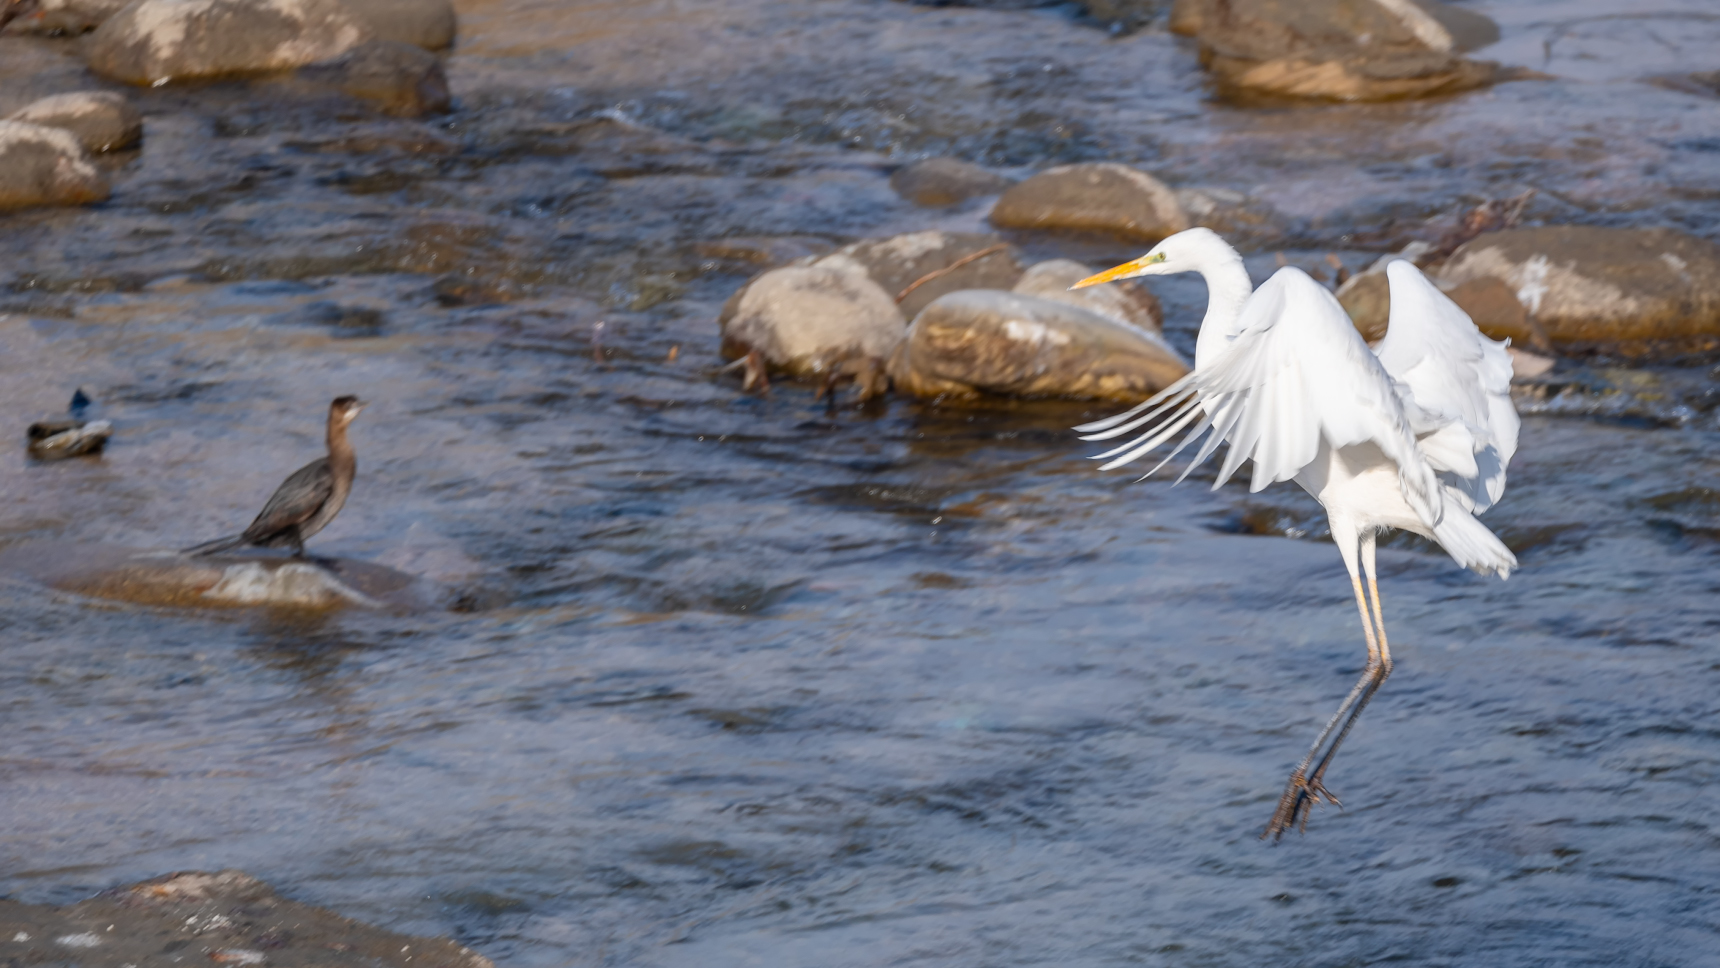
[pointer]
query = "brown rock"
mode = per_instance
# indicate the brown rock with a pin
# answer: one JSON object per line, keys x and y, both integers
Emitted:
{"x": 937, "y": 182}
{"x": 1636, "y": 292}
{"x": 400, "y": 79}
{"x": 1338, "y": 49}
{"x": 100, "y": 120}
{"x": 976, "y": 342}
{"x": 933, "y": 263}
{"x": 70, "y": 17}
{"x": 1125, "y": 301}
{"x": 1367, "y": 298}
{"x": 45, "y": 166}
{"x": 1185, "y": 17}
{"x": 200, "y": 918}
{"x": 808, "y": 320}
{"x": 429, "y": 24}
{"x": 1099, "y": 197}
{"x": 1497, "y": 312}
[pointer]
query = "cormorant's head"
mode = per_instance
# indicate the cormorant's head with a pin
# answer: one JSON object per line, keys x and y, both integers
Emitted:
{"x": 345, "y": 408}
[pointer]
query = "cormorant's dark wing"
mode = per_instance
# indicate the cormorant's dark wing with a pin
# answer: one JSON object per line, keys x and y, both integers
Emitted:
{"x": 295, "y": 500}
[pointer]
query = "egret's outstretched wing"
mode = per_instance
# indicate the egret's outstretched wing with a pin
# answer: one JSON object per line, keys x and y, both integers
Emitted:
{"x": 1458, "y": 383}
{"x": 1297, "y": 373}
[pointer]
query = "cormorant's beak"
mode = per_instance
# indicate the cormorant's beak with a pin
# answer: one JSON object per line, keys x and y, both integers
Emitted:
{"x": 1123, "y": 271}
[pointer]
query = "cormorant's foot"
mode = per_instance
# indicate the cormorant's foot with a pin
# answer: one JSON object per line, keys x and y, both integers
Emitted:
{"x": 1300, "y": 795}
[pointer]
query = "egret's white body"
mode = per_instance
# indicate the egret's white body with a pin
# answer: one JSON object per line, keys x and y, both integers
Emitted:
{"x": 1413, "y": 435}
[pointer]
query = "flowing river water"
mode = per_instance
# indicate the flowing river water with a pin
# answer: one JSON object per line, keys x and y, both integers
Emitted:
{"x": 714, "y": 679}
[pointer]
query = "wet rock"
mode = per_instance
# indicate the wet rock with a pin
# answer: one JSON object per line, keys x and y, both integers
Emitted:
{"x": 937, "y": 182}
{"x": 1339, "y": 49}
{"x": 1125, "y": 301}
{"x": 1528, "y": 366}
{"x": 100, "y": 120}
{"x": 976, "y": 342}
{"x": 45, "y": 166}
{"x": 1096, "y": 197}
{"x": 918, "y": 267}
{"x": 221, "y": 918}
{"x": 1631, "y": 292}
{"x": 154, "y": 41}
{"x": 806, "y": 320}
{"x": 429, "y": 24}
{"x": 400, "y": 79}
{"x": 63, "y": 17}
{"x": 171, "y": 579}
{"x": 60, "y": 439}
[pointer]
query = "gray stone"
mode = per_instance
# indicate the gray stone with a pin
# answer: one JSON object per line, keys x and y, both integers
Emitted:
{"x": 1125, "y": 301}
{"x": 1096, "y": 197}
{"x": 64, "y": 17}
{"x": 937, "y": 182}
{"x": 45, "y": 166}
{"x": 1341, "y": 50}
{"x": 194, "y": 918}
{"x": 1630, "y": 292}
{"x": 155, "y": 41}
{"x": 808, "y": 320}
{"x": 400, "y": 79}
{"x": 100, "y": 120}
{"x": 918, "y": 267}
{"x": 978, "y": 342}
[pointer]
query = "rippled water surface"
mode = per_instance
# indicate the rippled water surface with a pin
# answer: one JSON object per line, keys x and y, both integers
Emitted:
{"x": 727, "y": 680}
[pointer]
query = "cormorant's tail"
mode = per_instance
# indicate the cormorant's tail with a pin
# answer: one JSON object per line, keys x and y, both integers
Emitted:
{"x": 216, "y": 547}
{"x": 1471, "y": 544}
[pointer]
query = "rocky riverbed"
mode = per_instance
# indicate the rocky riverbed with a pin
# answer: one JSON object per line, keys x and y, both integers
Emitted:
{"x": 672, "y": 672}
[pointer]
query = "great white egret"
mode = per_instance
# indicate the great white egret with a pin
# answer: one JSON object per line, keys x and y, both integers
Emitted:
{"x": 1414, "y": 434}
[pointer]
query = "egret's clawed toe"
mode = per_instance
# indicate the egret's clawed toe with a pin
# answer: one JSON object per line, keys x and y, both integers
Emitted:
{"x": 1300, "y": 795}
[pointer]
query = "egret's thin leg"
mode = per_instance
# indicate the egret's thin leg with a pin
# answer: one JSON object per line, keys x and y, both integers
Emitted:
{"x": 1301, "y": 791}
{"x": 1382, "y": 668}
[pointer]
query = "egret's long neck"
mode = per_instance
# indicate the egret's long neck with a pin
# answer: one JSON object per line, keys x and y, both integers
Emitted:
{"x": 1227, "y": 288}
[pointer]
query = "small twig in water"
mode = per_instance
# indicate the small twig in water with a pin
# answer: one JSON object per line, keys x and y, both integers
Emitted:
{"x": 946, "y": 270}
{"x": 597, "y": 342}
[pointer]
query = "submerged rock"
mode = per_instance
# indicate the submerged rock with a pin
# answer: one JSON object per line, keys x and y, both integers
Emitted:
{"x": 155, "y": 41}
{"x": 70, "y": 17}
{"x": 918, "y": 267}
{"x": 401, "y": 79}
{"x": 168, "y": 578}
{"x": 1098, "y": 197}
{"x": 1125, "y": 301}
{"x": 1339, "y": 50}
{"x": 100, "y": 120}
{"x": 60, "y": 439}
{"x": 937, "y": 182}
{"x": 1630, "y": 292}
{"x": 194, "y": 917}
{"x": 979, "y": 341}
{"x": 45, "y": 166}
{"x": 807, "y": 320}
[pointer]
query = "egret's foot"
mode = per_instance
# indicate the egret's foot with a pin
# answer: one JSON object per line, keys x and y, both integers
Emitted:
{"x": 1300, "y": 795}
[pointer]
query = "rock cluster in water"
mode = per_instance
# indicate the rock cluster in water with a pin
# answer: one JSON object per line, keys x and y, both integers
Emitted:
{"x": 228, "y": 917}
{"x": 1339, "y": 50}
{"x": 980, "y": 324}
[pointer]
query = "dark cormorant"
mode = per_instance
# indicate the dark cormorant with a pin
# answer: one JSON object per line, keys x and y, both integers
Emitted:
{"x": 307, "y": 501}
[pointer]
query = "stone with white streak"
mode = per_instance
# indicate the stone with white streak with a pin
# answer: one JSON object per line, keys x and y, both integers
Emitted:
{"x": 155, "y": 41}
{"x": 42, "y": 166}
{"x": 976, "y": 342}
{"x": 100, "y": 120}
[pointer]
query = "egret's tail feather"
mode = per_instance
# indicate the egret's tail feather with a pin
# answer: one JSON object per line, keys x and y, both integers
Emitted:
{"x": 1471, "y": 544}
{"x": 215, "y": 547}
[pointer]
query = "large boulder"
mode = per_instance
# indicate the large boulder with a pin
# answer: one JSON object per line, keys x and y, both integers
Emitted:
{"x": 1096, "y": 197}
{"x": 45, "y": 166}
{"x": 1125, "y": 301}
{"x": 100, "y": 120}
{"x": 1343, "y": 50}
{"x": 977, "y": 342}
{"x": 937, "y": 182}
{"x": 1632, "y": 292}
{"x": 807, "y": 320}
{"x": 918, "y": 267}
{"x": 154, "y": 41}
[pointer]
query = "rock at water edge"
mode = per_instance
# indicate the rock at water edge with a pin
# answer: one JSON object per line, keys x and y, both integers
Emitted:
{"x": 45, "y": 166}
{"x": 1099, "y": 197}
{"x": 807, "y": 320}
{"x": 1126, "y": 301}
{"x": 100, "y": 120}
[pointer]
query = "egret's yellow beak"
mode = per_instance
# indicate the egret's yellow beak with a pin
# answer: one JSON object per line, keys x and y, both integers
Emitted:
{"x": 1123, "y": 271}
